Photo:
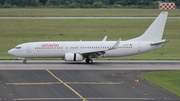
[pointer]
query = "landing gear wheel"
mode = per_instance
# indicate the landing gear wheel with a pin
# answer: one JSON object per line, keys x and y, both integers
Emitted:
{"x": 24, "y": 61}
{"x": 89, "y": 61}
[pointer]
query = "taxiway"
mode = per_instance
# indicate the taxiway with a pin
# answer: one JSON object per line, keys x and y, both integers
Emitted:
{"x": 101, "y": 81}
{"x": 97, "y": 65}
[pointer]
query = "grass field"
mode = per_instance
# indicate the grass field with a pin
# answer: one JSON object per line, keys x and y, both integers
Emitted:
{"x": 17, "y": 31}
{"x": 168, "y": 80}
{"x": 55, "y": 12}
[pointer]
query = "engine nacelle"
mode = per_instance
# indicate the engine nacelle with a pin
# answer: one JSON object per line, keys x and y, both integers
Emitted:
{"x": 73, "y": 57}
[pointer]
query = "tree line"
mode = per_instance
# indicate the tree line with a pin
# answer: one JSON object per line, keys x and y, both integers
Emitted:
{"x": 84, "y": 3}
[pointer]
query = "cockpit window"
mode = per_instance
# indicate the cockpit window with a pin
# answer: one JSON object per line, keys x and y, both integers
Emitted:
{"x": 18, "y": 47}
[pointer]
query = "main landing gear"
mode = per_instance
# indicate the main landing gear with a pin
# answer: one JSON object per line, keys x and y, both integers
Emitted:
{"x": 89, "y": 61}
{"x": 24, "y": 61}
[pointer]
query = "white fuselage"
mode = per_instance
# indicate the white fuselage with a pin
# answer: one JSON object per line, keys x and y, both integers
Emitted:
{"x": 59, "y": 49}
{"x": 78, "y": 50}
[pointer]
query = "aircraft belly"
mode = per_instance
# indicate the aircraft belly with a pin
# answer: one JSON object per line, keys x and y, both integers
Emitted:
{"x": 47, "y": 54}
{"x": 120, "y": 52}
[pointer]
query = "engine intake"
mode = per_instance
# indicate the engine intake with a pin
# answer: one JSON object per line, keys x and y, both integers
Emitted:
{"x": 73, "y": 57}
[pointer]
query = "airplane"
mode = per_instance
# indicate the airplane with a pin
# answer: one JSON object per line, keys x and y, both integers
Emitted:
{"x": 151, "y": 39}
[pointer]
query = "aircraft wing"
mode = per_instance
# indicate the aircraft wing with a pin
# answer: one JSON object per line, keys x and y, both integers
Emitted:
{"x": 93, "y": 54}
{"x": 99, "y": 53}
{"x": 159, "y": 42}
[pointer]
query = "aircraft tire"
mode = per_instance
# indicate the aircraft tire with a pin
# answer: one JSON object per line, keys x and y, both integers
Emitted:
{"x": 89, "y": 61}
{"x": 24, "y": 61}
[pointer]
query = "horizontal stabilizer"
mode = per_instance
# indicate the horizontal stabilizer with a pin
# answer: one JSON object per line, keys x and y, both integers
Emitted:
{"x": 159, "y": 42}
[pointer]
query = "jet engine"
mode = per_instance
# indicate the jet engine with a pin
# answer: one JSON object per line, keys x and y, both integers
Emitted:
{"x": 73, "y": 57}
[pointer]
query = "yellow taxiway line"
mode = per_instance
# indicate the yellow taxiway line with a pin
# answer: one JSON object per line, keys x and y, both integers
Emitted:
{"x": 66, "y": 85}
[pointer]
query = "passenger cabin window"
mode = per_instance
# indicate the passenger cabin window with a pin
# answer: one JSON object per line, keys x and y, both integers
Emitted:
{"x": 18, "y": 47}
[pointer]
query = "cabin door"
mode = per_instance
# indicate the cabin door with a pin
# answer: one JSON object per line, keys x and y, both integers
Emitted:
{"x": 29, "y": 48}
{"x": 139, "y": 47}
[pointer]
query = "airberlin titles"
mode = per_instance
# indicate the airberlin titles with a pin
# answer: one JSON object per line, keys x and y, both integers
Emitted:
{"x": 50, "y": 45}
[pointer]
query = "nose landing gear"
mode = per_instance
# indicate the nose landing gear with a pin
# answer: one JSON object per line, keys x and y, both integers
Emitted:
{"x": 24, "y": 61}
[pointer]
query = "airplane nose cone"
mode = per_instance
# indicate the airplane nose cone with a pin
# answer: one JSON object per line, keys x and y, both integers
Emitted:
{"x": 10, "y": 52}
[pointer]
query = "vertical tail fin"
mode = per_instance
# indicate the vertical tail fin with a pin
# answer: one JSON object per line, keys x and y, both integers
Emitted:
{"x": 155, "y": 30}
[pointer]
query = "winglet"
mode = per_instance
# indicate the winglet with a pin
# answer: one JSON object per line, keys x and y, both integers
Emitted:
{"x": 104, "y": 38}
{"x": 115, "y": 45}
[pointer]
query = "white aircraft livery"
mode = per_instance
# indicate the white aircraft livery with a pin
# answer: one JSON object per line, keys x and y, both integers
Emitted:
{"x": 80, "y": 50}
